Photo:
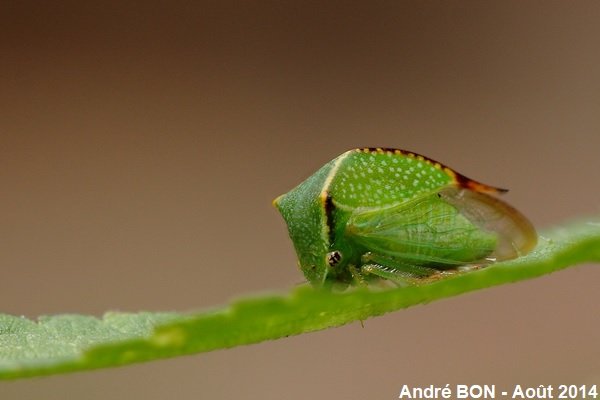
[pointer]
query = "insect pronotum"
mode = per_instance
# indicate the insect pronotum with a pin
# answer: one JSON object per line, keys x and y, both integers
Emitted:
{"x": 375, "y": 214}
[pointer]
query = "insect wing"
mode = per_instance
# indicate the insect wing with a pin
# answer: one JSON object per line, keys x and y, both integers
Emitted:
{"x": 445, "y": 228}
{"x": 516, "y": 235}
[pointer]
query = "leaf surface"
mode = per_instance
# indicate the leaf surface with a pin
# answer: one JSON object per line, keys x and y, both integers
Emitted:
{"x": 64, "y": 343}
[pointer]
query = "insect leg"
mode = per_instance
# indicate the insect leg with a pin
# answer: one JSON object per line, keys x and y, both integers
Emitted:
{"x": 357, "y": 277}
{"x": 399, "y": 277}
{"x": 402, "y": 274}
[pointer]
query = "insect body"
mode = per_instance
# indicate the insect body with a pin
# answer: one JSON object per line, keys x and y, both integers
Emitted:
{"x": 374, "y": 214}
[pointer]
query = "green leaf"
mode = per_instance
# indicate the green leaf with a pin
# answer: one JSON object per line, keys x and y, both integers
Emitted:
{"x": 64, "y": 343}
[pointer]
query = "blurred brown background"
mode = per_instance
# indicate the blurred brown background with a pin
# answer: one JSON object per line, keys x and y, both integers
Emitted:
{"x": 141, "y": 144}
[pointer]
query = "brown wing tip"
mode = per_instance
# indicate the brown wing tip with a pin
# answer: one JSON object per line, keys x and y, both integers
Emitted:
{"x": 483, "y": 188}
{"x": 469, "y": 183}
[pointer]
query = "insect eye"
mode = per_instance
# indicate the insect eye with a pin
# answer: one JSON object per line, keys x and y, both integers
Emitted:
{"x": 333, "y": 258}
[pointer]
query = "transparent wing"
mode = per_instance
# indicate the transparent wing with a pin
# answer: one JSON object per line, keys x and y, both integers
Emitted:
{"x": 449, "y": 227}
{"x": 516, "y": 235}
